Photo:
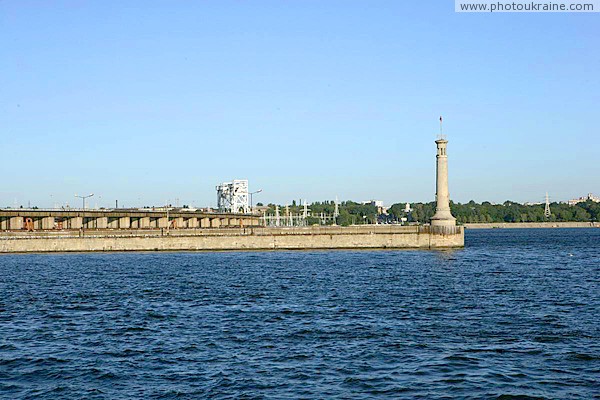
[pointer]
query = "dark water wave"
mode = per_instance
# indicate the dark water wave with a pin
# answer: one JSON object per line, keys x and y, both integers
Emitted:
{"x": 515, "y": 315}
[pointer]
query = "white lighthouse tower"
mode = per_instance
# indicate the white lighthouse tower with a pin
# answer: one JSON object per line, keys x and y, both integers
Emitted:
{"x": 443, "y": 217}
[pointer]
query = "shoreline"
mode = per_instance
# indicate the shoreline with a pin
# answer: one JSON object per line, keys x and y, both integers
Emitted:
{"x": 531, "y": 225}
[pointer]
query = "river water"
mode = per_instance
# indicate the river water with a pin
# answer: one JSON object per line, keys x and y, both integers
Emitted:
{"x": 515, "y": 314}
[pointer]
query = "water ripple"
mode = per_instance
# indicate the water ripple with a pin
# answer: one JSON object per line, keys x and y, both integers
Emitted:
{"x": 512, "y": 316}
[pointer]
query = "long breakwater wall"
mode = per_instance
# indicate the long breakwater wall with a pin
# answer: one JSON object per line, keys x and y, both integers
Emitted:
{"x": 257, "y": 238}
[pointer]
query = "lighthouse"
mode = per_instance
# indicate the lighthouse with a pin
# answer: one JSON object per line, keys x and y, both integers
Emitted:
{"x": 443, "y": 217}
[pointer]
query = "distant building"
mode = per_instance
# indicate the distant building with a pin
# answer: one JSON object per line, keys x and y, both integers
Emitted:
{"x": 381, "y": 209}
{"x": 376, "y": 203}
{"x": 583, "y": 199}
{"x": 233, "y": 196}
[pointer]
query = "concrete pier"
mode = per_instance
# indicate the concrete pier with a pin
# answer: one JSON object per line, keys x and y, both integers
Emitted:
{"x": 47, "y": 223}
{"x": 124, "y": 222}
{"x": 15, "y": 223}
{"x": 211, "y": 239}
{"x": 74, "y": 223}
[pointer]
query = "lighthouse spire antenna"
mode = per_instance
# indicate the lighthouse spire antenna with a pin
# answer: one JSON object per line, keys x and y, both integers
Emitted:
{"x": 441, "y": 132}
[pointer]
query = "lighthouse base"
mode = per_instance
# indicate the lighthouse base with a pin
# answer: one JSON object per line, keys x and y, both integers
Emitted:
{"x": 443, "y": 218}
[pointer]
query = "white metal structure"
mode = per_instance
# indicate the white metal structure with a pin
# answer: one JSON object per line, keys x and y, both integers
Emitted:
{"x": 233, "y": 196}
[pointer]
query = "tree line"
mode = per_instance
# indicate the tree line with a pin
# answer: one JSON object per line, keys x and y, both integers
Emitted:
{"x": 351, "y": 212}
{"x": 509, "y": 211}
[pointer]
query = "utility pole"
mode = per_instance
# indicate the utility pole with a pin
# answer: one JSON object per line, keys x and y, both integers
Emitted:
{"x": 167, "y": 207}
{"x": 83, "y": 214}
{"x": 258, "y": 191}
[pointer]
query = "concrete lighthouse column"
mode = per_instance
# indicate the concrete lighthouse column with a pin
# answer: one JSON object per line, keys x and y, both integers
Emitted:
{"x": 442, "y": 217}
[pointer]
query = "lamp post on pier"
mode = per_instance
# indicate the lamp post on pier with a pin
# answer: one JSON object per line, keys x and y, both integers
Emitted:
{"x": 83, "y": 198}
{"x": 258, "y": 191}
{"x": 83, "y": 214}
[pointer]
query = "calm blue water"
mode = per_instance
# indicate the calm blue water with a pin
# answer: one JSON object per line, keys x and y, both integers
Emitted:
{"x": 516, "y": 313}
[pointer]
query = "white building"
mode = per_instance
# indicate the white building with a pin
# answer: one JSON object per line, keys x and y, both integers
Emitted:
{"x": 233, "y": 196}
{"x": 583, "y": 199}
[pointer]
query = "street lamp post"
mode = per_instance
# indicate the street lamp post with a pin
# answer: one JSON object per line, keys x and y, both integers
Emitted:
{"x": 168, "y": 223}
{"x": 83, "y": 198}
{"x": 258, "y": 191}
{"x": 83, "y": 215}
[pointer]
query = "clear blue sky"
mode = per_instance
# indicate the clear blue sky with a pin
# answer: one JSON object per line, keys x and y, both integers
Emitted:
{"x": 156, "y": 100}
